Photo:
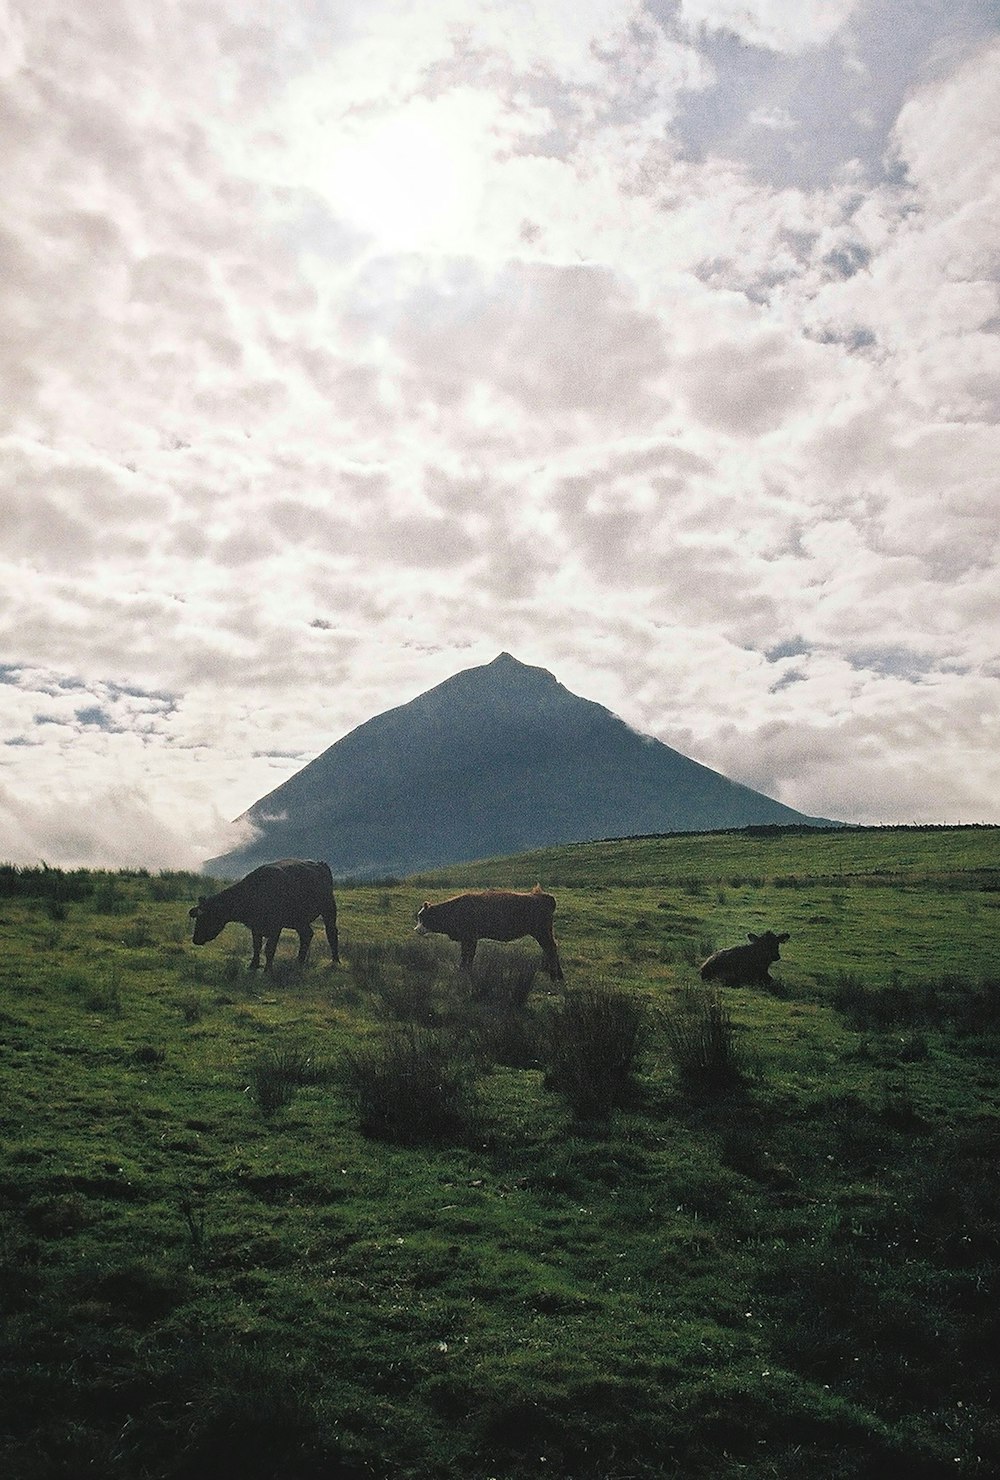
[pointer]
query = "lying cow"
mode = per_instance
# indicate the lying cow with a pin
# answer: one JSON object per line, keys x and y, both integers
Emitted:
{"x": 494, "y": 914}
{"x": 740, "y": 966}
{"x": 291, "y": 892}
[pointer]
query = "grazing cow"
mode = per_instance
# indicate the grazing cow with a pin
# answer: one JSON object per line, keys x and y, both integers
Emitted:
{"x": 494, "y": 914}
{"x": 745, "y": 965}
{"x": 290, "y": 892}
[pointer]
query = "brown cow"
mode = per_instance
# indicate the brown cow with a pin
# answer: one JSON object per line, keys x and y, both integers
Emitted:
{"x": 745, "y": 965}
{"x": 291, "y": 891}
{"x": 494, "y": 914}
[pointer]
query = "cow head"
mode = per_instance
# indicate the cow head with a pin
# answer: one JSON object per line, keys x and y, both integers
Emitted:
{"x": 421, "y": 927}
{"x": 207, "y": 922}
{"x": 768, "y": 943}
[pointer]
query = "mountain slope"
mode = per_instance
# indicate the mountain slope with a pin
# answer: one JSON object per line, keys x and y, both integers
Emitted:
{"x": 496, "y": 760}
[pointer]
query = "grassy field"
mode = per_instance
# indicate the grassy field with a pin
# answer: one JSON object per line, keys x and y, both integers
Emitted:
{"x": 379, "y": 1221}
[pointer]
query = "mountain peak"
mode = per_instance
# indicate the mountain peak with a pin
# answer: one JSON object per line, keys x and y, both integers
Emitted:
{"x": 506, "y": 663}
{"x": 504, "y": 679}
{"x": 498, "y": 759}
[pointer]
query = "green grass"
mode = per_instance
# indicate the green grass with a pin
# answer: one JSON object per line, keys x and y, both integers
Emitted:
{"x": 774, "y": 1251}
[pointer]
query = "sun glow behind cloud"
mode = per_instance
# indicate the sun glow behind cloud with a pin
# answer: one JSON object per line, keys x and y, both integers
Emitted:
{"x": 411, "y": 179}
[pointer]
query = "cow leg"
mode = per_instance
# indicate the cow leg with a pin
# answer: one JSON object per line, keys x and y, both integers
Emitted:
{"x": 468, "y": 955}
{"x": 305, "y": 941}
{"x": 330, "y": 924}
{"x": 258, "y": 941}
{"x": 270, "y": 946}
{"x": 546, "y": 939}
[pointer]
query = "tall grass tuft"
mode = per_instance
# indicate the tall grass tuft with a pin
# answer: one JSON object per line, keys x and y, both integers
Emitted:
{"x": 411, "y": 1087}
{"x": 407, "y": 997}
{"x": 490, "y": 1015}
{"x": 702, "y": 1044}
{"x": 138, "y": 933}
{"x": 253, "y": 1420}
{"x": 276, "y": 1074}
{"x": 591, "y": 1042}
{"x": 368, "y": 962}
{"x": 104, "y": 996}
{"x": 425, "y": 954}
{"x": 193, "y": 1212}
{"x": 504, "y": 978}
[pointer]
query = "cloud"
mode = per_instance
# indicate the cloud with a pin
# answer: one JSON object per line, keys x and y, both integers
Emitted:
{"x": 556, "y": 342}
{"x": 781, "y": 25}
{"x": 117, "y": 825}
{"x": 928, "y": 292}
{"x": 905, "y": 741}
{"x": 749, "y": 387}
{"x": 343, "y": 350}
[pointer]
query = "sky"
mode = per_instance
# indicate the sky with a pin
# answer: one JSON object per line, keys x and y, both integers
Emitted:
{"x": 346, "y": 345}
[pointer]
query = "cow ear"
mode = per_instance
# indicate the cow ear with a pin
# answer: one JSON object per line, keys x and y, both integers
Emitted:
{"x": 751, "y": 936}
{"x": 426, "y": 905}
{"x": 193, "y": 913}
{"x": 784, "y": 937}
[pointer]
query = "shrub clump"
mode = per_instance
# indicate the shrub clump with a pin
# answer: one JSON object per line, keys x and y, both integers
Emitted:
{"x": 950, "y": 1003}
{"x": 409, "y": 1088}
{"x": 591, "y": 1044}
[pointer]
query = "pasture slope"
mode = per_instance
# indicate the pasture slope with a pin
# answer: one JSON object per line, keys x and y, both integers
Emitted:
{"x": 378, "y": 1222}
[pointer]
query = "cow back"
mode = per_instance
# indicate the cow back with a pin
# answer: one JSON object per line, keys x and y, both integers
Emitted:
{"x": 493, "y": 914}
{"x": 285, "y": 892}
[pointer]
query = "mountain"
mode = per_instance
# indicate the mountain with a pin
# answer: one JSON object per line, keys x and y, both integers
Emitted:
{"x": 496, "y": 760}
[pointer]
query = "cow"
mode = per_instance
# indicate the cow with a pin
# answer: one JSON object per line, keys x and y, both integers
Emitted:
{"x": 494, "y": 914}
{"x": 290, "y": 892}
{"x": 745, "y": 965}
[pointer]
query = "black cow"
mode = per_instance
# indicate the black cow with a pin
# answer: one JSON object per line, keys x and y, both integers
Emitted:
{"x": 745, "y": 965}
{"x": 290, "y": 892}
{"x": 494, "y": 914}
